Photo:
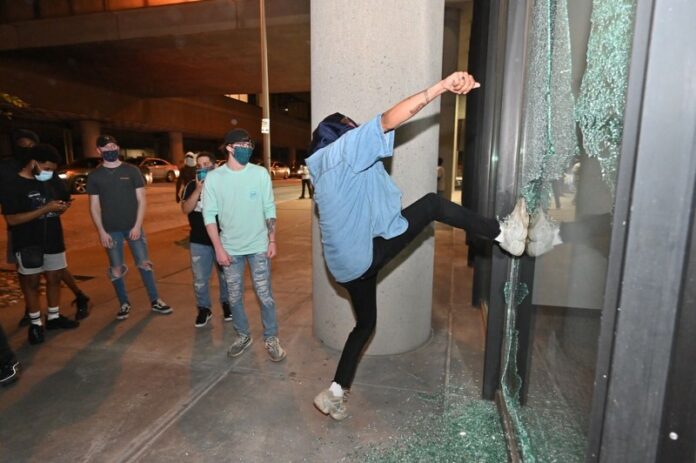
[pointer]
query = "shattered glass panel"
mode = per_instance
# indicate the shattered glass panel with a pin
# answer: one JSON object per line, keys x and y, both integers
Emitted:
{"x": 549, "y": 130}
{"x": 602, "y": 98}
{"x": 568, "y": 160}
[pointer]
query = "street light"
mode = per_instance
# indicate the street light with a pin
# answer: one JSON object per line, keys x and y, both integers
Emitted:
{"x": 266, "y": 120}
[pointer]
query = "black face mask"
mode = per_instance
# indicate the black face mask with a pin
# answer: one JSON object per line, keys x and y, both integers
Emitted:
{"x": 110, "y": 156}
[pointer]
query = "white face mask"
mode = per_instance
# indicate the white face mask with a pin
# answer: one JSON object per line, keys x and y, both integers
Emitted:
{"x": 190, "y": 162}
{"x": 44, "y": 175}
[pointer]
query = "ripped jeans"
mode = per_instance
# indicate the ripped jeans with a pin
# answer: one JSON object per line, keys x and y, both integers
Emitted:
{"x": 260, "y": 266}
{"x": 138, "y": 249}
{"x": 202, "y": 263}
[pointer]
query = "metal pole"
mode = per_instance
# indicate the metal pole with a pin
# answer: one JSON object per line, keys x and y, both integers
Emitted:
{"x": 266, "y": 121}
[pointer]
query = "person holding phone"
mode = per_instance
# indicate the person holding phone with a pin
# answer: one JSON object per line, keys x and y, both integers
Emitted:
{"x": 200, "y": 246}
{"x": 33, "y": 213}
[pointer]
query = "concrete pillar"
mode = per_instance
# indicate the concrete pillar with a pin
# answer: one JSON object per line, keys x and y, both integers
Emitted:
{"x": 176, "y": 147}
{"x": 89, "y": 132}
{"x": 366, "y": 56}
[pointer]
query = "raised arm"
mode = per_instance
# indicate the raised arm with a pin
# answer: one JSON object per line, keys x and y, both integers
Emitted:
{"x": 458, "y": 82}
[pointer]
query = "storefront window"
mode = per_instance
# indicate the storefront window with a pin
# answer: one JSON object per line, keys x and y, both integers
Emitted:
{"x": 575, "y": 87}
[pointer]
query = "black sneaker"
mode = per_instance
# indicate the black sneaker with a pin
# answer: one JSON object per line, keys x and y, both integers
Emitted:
{"x": 82, "y": 303}
{"x": 160, "y": 306}
{"x": 9, "y": 372}
{"x": 226, "y": 312}
{"x": 123, "y": 311}
{"x": 36, "y": 334}
{"x": 25, "y": 320}
{"x": 61, "y": 323}
{"x": 203, "y": 316}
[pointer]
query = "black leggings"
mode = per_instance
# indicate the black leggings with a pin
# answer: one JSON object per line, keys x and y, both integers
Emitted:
{"x": 363, "y": 290}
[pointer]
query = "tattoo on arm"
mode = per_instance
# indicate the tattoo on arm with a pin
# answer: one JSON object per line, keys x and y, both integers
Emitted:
{"x": 421, "y": 105}
{"x": 270, "y": 224}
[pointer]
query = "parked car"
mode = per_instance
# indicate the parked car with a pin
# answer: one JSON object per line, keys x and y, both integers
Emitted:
{"x": 279, "y": 170}
{"x": 160, "y": 169}
{"x": 296, "y": 170}
{"x": 75, "y": 174}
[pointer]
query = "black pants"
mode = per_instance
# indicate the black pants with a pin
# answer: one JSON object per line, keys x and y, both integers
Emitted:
{"x": 6, "y": 354}
{"x": 363, "y": 290}
{"x": 310, "y": 190}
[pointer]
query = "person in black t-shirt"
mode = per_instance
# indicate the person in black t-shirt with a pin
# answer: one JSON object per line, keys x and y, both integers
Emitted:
{"x": 33, "y": 211}
{"x": 117, "y": 205}
{"x": 201, "y": 248}
{"x": 23, "y": 141}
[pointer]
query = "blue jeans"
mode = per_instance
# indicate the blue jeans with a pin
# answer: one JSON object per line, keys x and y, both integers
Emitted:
{"x": 202, "y": 262}
{"x": 260, "y": 266}
{"x": 138, "y": 249}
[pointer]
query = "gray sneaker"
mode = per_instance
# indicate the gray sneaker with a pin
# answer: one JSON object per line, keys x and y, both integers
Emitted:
{"x": 329, "y": 404}
{"x": 239, "y": 346}
{"x": 275, "y": 351}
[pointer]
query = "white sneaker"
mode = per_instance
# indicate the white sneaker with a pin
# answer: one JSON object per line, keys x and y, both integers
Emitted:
{"x": 544, "y": 234}
{"x": 329, "y": 404}
{"x": 513, "y": 229}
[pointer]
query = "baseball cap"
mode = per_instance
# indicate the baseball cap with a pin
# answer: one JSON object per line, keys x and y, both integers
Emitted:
{"x": 190, "y": 154}
{"x": 235, "y": 136}
{"x": 104, "y": 140}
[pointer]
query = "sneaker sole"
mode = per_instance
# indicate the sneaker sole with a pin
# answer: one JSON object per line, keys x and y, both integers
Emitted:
{"x": 240, "y": 352}
{"x": 121, "y": 317}
{"x": 227, "y": 319}
{"x": 13, "y": 377}
{"x": 279, "y": 359}
{"x": 201, "y": 325}
{"x": 163, "y": 312}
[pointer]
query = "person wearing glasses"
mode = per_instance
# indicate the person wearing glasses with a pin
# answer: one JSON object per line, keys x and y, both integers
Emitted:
{"x": 240, "y": 195}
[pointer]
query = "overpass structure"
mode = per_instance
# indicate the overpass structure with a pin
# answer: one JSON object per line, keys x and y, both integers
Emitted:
{"x": 156, "y": 72}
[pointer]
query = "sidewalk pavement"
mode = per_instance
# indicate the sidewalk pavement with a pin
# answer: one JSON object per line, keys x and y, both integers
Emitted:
{"x": 154, "y": 388}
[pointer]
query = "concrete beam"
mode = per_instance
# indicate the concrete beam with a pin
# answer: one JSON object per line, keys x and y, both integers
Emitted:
{"x": 177, "y": 20}
{"x": 204, "y": 117}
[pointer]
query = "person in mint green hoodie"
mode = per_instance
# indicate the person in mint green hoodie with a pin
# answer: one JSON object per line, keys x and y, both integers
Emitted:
{"x": 240, "y": 194}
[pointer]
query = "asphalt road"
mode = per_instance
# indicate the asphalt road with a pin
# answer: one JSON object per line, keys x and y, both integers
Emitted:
{"x": 162, "y": 213}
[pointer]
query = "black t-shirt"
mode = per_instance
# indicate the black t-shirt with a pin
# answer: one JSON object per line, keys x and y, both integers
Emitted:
{"x": 198, "y": 233}
{"x": 28, "y": 195}
{"x": 116, "y": 187}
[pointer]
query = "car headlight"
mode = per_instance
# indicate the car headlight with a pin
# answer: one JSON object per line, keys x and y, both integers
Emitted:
{"x": 63, "y": 175}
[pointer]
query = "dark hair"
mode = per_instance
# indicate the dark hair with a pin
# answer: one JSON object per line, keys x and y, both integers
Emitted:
{"x": 105, "y": 139}
{"x": 43, "y": 152}
{"x": 18, "y": 134}
{"x": 328, "y": 131}
{"x": 439, "y": 161}
{"x": 206, "y": 154}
